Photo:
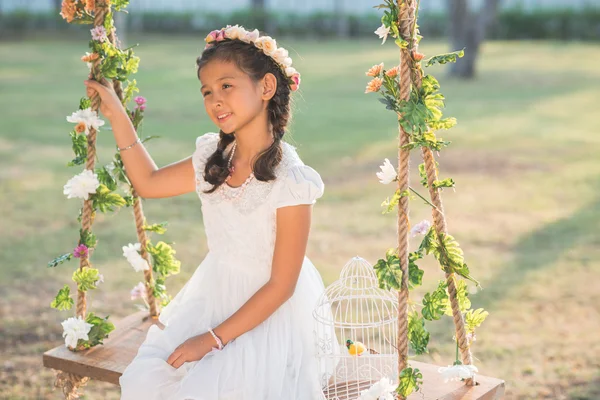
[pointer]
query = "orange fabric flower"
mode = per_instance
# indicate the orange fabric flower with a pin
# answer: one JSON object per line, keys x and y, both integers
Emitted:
{"x": 392, "y": 73}
{"x": 90, "y": 5}
{"x": 89, "y": 57}
{"x": 374, "y": 85}
{"x": 68, "y": 10}
{"x": 417, "y": 56}
{"x": 375, "y": 70}
{"x": 80, "y": 127}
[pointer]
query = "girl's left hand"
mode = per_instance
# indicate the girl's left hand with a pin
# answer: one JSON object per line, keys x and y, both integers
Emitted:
{"x": 193, "y": 349}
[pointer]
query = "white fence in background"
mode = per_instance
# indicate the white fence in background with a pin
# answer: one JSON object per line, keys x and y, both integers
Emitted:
{"x": 298, "y": 6}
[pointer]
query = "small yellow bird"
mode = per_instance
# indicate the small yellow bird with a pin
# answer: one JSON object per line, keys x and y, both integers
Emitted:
{"x": 355, "y": 348}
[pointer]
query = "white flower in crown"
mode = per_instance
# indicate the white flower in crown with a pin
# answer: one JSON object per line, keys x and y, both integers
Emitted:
{"x": 88, "y": 117}
{"x": 235, "y": 32}
{"x": 388, "y": 173}
{"x": 82, "y": 185}
{"x": 135, "y": 259}
{"x": 457, "y": 372}
{"x": 280, "y": 55}
{"x": 75, "y": 329}
{"x": 267, "y": 44}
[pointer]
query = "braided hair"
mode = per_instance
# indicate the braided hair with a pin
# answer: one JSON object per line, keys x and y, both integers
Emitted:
{"x": 255, "y": 64}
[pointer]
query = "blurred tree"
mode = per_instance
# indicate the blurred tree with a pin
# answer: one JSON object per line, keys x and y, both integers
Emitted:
{"x": 468, "y": 29}
{"x": 260, "y": 13}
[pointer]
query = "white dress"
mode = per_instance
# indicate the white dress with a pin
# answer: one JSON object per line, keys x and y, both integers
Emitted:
{"x": 274, "y": 361}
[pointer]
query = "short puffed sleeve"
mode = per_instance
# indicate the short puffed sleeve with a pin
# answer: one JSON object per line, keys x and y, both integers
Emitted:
{"x": 300, "y": 185}
{"x": 205, "y": 146}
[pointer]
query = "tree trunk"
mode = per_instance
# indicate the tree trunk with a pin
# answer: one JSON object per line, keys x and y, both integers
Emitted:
{"x": 468, "y": 29}
{"x": 259, "y": 10}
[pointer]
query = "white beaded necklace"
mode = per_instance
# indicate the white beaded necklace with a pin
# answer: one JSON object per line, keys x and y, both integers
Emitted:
{"x": 231, "y": 168}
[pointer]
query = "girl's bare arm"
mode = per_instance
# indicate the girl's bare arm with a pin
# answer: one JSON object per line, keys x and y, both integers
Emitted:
{"x": 148, "y": 180}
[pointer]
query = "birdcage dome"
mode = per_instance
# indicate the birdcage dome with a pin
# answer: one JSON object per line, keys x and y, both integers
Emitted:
{"x": 356, "y": 290}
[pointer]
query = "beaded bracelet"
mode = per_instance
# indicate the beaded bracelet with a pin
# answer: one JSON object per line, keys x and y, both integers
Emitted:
{"x": 131, "y": 145}
{"x": 219, "y": 342}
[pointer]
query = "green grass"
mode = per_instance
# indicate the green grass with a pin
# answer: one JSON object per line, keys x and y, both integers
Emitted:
{"x": 526, "y": 208}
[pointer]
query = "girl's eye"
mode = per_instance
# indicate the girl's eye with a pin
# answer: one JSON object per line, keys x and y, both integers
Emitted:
{"x": 206, "y": 93}
{"x": 226, "y": 85}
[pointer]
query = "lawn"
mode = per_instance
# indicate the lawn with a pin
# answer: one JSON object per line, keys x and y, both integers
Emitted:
{"x": 526, "y": 208}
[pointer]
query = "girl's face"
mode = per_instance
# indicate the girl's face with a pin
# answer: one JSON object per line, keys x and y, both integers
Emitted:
{"x": 232, "y": 100}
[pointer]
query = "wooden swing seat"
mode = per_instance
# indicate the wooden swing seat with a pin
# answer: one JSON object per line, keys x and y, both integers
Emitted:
{"x": 107, "y": 362}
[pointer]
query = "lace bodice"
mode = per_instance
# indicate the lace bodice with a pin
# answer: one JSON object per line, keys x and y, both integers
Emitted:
{"x": 240, "y": 222}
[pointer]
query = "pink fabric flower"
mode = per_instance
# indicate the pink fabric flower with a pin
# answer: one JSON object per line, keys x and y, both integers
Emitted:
{"x": 296, "y": 80}
{"x": 139, "y": 100}
{"x": 99, "y": 33}
{"x": 80, "y": 251}
{"x": 220, "y": 35}
{"x": 139, "y": 292}
{"x": 142, "y": 107}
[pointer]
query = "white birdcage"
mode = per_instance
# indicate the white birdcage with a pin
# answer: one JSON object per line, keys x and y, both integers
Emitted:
{"x": 355, "y": 308}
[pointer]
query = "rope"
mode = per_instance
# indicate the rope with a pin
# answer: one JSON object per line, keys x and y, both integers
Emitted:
{"x": 138, "y": 212}
{"x": 440, "y": 226}
{"x": 403, "y": 184}
{"x": 70, "y": 383}
{"x": 87, "y": 216}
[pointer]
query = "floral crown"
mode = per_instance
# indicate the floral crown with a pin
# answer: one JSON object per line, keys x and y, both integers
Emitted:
{"x": 267, "y": 44}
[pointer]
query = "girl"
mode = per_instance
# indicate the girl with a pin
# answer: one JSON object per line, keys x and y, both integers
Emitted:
{"x": 241, "y": 327}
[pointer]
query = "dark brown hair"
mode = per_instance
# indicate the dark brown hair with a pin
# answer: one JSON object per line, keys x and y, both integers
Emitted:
{"x": 256, "y": 65}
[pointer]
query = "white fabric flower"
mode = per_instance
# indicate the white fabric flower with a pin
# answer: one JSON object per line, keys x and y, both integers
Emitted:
{"x": 251, "y": 36}
{"x": 75, "y": 329}
{"x": 382, "y": 32}
{"x": 420, "y": 228}
{"x": 388, "y": 173}
{"x": 88, "y": 117}
{"x": 280, "y": 55}
{"x": 131, "y": 253}
{"x": 235, "y": 32}
{"x": 289, "y": 71}
{"x": 457, "y": 372}
{"x": 82, "y": 185}
{"x": 382, "y": 390}
{"x": 267, "y": 44}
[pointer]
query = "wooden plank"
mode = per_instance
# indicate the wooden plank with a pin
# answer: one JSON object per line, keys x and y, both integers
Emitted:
{"x": 433, "y": 388}
{"x": 106, "y": 362}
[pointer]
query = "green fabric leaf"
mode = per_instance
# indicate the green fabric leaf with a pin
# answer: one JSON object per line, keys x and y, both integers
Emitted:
{"x": 63, "y": 300}
{"x": 86, "y": 278}
{"x": 87, "y": 238}
{"x": 415, "y": 274}
{"x": 388, "y": 271}
{"x": 156, "y": 228}
{"x": 163, "y": 259}
{"x": 102, "y": 327}
{"x": 448, "y": 182}
{"x": 445, "y": 58}
{"x": 474, "y": 318}
{"x": 106, "y": 178}
{"x": 104, "y": 199}
{"x": 435, "y": 303}
{"x": 79, "y": 145}
{"x": 390, "y": 205}
{"x": 59, "y": 260}
{"x": 418, "y": 337}
{"x": 409, "y": 382}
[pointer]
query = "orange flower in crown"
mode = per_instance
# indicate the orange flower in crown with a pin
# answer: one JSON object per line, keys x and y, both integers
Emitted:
{"x": 266, "y": 44}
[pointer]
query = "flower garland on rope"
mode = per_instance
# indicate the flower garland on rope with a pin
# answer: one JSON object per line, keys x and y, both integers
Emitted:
{"x": 416, "y": 100}
{"x": 97, "y": 187}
